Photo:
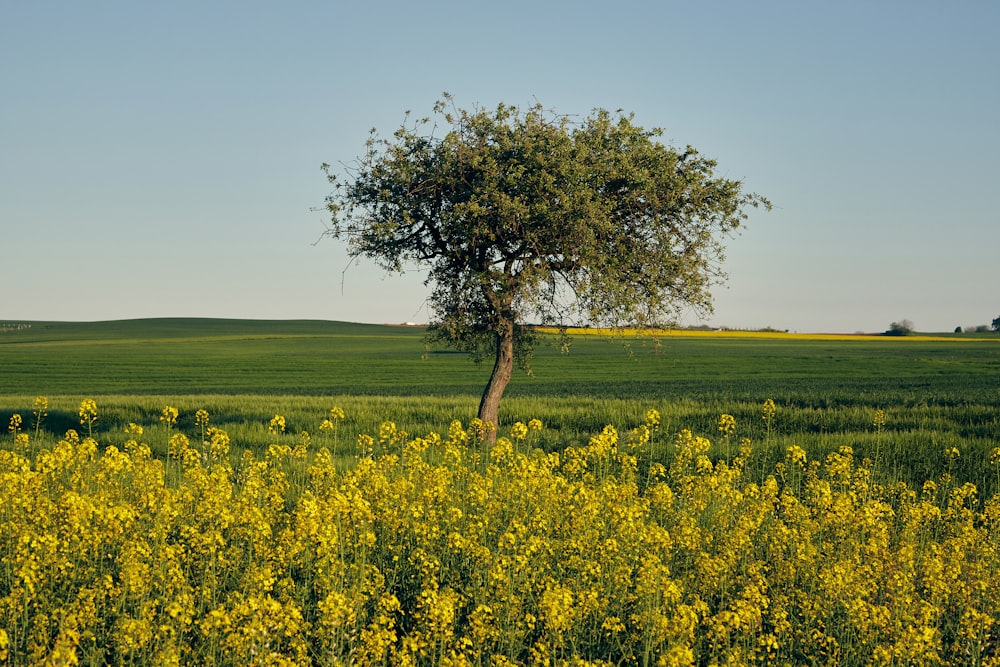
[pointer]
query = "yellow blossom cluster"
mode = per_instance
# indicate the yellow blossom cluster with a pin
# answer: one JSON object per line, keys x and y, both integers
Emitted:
{"x": 276, "y": 425}
{"x": 169, "y": 416}
{"x": 443, "y": 550}
{"x": 330, "y": 424}
{"x": 727, "y": 425}
{"x": 88, "y": 414}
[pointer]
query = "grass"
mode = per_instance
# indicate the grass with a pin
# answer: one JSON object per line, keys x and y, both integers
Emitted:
{"x": 937, "y": 392}
{"x": 314, "y": 358}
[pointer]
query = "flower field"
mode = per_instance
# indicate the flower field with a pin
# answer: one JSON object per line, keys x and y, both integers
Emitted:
{"x": 168, "y": 543}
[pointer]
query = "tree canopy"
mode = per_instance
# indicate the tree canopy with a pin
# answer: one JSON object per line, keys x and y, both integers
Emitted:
{"x": 528, "y": 215}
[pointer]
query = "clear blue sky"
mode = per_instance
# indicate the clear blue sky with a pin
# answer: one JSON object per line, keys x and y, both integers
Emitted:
{"x": 162, "y": 159}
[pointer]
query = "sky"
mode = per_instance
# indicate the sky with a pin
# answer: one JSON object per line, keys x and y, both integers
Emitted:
{"x": 163, "y": 159}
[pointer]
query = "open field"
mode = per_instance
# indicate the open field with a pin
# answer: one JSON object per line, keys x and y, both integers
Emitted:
{"x": 937, "y": 393}
{"x": 841, "y": 529}
{"x": 313, "y": 358}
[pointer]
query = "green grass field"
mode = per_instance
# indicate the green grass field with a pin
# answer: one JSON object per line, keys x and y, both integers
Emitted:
{"x": 936, "y": 393}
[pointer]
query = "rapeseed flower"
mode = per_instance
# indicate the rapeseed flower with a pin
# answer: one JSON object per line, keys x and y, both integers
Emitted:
{"x": 796, "y": 455}
{"x": 727, "y": 425}
{"x": 768, "y": 411}
{"x": 481, "y": 429}
{"x": 169, "y": 416}
{"x": 201, "y": 420}
{"x": 88, "y": 415}
{"x": 365, "y": 446}
{"x": 39, "y": 409}
{"x": 218, "y": 443}
{"x": 432, "y": 552}
{"x": 276, "y": 425}
{"x": 519, "y": 431}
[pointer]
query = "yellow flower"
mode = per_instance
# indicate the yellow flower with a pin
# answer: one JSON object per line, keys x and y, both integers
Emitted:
{"x": 276, "y": 425}
{"x": 456, "y": 433}
{"x": 480, "y": 429}
{"x": 556, "y": 605}
{"x": 387, "y": 433}
{"x": 178, "y": 446}
{"x": 40, "y": 409}
{"x": 15, "y": 424}
{"x": 88, "y": 414}
{"x": 555, "y": 553}
{"x": 169, "y": 416}
{"x": 88, "y": 411}
{"x": 336, "y": 414}
{"x": 727, "y": 425}
{"x": 796, "y": 455}
{"x": 535, "y": 425}
{"x": 612, "y": 625}
{"x": 218, "y": 442}
{"x": 365, "y": 445}
{"x": 769, "y": 410}
{"x": 519, "y": 431}
{"x": 879, "y": 419}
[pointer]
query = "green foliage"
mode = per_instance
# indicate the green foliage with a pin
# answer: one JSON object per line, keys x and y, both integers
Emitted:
{"x": 524, "y": 216}
{"x": 901, "y": 328}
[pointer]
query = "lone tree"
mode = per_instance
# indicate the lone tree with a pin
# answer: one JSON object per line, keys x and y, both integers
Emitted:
{"x": 525, "y": 215}
{"x": 900, "y": 328}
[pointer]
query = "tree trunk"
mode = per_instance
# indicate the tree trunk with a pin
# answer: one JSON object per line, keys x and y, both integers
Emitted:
{"x": 503, "y": 368}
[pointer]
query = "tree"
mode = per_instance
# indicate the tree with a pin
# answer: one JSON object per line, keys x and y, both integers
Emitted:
{"x": 901, "y": 328}
{"x": 996, "y": 324}
{"x": 524, "y": 215}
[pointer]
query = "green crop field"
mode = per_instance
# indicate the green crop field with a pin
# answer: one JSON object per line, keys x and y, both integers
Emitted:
{"x": 936, "y": 393}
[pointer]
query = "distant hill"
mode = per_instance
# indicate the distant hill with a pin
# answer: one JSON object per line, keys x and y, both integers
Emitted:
{"x": 184, "y": 327}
